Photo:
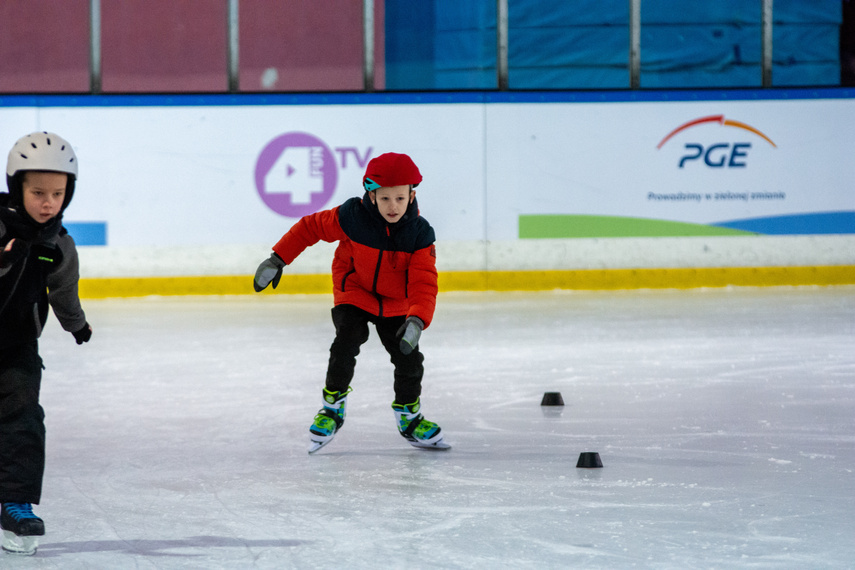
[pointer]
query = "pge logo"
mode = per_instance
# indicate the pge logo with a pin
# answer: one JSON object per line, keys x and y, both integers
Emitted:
{"x": 720, "y": 154}
{"x": 296, "y": 173}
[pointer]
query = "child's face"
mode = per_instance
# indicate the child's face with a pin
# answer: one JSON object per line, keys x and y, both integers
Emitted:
{"x": 392, "y": 201}
{"x": 44, "y": 193}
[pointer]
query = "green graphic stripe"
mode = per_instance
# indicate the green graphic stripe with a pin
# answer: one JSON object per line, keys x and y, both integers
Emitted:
{"x": 539, "y": 226}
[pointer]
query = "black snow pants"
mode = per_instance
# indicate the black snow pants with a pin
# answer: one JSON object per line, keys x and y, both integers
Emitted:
{"x": 351, "y": 332}
{"x": 22, "y": 426}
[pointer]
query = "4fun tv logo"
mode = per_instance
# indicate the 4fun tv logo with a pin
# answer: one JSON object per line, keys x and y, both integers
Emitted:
{"x": 728, "y": 154}
{"x": 297, "y": 173}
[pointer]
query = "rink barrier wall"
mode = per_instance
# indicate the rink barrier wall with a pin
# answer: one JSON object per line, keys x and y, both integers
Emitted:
{"x": 585, "y": 279}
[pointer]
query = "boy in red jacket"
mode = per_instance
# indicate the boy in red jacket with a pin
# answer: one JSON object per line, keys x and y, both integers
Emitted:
{"x": 384, "y": 273}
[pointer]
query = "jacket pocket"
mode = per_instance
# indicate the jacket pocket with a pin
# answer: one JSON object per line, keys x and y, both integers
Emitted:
{"x": 344, "y": 279}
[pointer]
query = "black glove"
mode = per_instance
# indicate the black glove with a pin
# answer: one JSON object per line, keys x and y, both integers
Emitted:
{"x": 15, "y": 251}
{"x": 409, "y": 334}
{"x": 83, "y": 335}
{"x": 269, "y": 270}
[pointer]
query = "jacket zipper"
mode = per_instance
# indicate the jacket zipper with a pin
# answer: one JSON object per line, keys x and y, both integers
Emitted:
{"x": 377, "y": 278}
{"x": 374, "y": 285}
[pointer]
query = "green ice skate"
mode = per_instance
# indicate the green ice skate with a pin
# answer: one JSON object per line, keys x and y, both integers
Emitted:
{"x": 328, "y": 420}
{"x": 416, "y": 429}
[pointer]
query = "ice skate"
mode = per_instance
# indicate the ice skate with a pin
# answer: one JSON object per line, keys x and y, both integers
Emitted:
{"x": 416, "y": 429}
{"x": 328, "y": 420}
{"x": 21, "y": 528}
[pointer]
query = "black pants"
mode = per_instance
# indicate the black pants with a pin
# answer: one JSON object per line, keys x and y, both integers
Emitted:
{"x": 351, "y": 332}
{"x": 22, "y": 426}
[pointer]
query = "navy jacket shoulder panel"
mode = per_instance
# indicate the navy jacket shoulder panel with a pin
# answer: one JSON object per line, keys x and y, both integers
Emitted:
{"x": 363, "y": 224}
{"x": 358, "y": 225}
{"x": 424, "y": 234}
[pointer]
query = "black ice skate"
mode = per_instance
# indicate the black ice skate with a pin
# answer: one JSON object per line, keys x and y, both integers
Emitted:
{"x": 21, "y": 528}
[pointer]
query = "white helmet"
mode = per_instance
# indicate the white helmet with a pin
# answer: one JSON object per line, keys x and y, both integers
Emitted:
{"x": 40, "y": 151}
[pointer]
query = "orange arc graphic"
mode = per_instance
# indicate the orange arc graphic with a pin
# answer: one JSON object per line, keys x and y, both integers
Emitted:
{"x": 716, "y": 119}
{"x": 729, "y": 123}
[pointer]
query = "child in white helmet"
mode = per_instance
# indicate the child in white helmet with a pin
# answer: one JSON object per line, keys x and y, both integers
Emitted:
{"x": 38, "y": 268}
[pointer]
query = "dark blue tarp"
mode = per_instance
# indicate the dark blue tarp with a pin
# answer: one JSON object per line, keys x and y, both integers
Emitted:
{"x": 410, "y": 34}
{"x": 578, "y": 57}
{"x": 440, "y": 44}
{"x": 713, "y": 46}
{"x": 807, "y": 12}
{"x": 584, "y": 44}
{"x": 699, "y": 78}
{"x": 539, "y": 14}
{"x": 805, "y": 54}
{"x": 575, "y": 44}
{"x": 731, "y": 12}
{"x": 700, "y": 55}
{"x": 805, "y": 74}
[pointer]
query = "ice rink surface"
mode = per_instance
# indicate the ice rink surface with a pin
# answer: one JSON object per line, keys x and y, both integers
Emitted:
{"x": 724, "y": 419}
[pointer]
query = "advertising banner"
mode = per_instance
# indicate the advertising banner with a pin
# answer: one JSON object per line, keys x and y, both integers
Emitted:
{"x": 207, "y": 175}
{"x": 670, "y": 169}
{"x": 178, "y": 175}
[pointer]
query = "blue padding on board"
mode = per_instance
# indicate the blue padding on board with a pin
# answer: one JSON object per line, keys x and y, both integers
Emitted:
{"x": 428, "y": 97}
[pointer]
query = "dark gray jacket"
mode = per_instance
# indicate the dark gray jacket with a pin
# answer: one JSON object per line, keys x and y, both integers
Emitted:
{"x": 46, "y": 276}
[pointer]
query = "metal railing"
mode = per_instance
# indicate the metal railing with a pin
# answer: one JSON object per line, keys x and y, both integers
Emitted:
{"x": 368, "y": 22}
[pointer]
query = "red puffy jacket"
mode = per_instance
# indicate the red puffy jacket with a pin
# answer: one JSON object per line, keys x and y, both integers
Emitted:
{"x": 386, "y": 269}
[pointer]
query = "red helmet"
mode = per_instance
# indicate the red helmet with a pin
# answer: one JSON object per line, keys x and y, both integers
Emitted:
{"x": 391, "y": 169}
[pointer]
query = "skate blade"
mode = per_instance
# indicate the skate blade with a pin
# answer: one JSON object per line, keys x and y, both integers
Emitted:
{"x": 316, "y": 445}
{"x": 20, "y": 545}
{"x": 439, "y": 445}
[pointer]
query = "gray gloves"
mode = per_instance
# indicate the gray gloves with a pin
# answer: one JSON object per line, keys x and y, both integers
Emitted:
{"x": 409, "y": 334}
{"x": 269, "y": 270}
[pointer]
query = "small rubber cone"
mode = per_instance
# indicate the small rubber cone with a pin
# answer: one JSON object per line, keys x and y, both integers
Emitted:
{"x": 589, "y": 460}
{"x": 552, "y": 399}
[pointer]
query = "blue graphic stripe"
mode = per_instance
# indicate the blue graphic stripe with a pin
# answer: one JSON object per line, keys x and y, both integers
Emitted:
{"x": 423, "y": 97}
{"x": 797, "y": 224}
{"x": 87, "y": 233}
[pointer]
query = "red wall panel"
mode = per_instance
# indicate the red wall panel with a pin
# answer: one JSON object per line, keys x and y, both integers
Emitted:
{"x": 304, "y": 45}
{"x": 44, "y": 46}
{"x": 164, "y": 46}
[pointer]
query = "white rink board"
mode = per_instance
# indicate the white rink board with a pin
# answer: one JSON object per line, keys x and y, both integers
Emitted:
{"x": 177, "y": 186}
{"x": 605, "y": 159}
{"x": 174, "y": 176}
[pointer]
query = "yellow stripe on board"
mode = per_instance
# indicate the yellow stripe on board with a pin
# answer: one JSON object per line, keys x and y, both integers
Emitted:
{"x": 202, "y": 285}
{"x": 680, "y": 278}
{"x": 582, "y": 279}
